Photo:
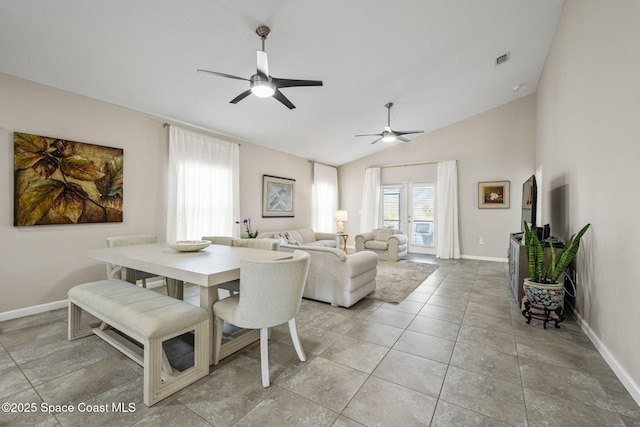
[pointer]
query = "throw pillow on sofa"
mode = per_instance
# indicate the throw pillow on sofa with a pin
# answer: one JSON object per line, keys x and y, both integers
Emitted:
{"x": 281, "y": 237}
{"x": 291, "y": 240}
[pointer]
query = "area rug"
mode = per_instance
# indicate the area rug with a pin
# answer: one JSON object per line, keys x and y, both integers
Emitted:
{"x": 396, "y": 280}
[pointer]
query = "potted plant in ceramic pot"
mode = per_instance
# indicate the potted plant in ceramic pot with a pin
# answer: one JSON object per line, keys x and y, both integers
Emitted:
{"x": 544, "y": 296}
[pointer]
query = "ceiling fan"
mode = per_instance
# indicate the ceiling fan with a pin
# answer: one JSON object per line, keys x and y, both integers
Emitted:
{"x": 262, "y": 84}
{"x": 388, "y": 134}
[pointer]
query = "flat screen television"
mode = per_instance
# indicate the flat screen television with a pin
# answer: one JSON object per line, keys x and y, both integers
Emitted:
{"x": 529, "y": 202}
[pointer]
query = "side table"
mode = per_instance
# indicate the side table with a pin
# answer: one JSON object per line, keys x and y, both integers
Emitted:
{"x": 344, "y": 237}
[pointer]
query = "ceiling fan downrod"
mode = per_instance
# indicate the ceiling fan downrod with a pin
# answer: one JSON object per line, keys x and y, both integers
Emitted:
{"x": 263, "y": 32}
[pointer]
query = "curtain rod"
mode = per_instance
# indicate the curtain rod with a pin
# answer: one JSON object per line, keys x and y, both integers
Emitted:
{"x": 209, "y": 132}
{"x": 407, "y": 164}
{"x": 320, "y": 163}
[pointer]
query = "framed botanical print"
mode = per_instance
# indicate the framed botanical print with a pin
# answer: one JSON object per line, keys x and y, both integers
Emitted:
{"x": 493, "y": 195}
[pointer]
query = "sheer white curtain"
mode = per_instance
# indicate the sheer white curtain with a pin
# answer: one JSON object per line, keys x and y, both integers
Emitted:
{"x": 203, "y": 186}
{"x": 447, "y": 239}
{"x": 324, "y": 197}
{"x": 370, "y": 210}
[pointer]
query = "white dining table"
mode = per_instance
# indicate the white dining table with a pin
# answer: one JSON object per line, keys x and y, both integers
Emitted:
{"x": 206, "y": 268}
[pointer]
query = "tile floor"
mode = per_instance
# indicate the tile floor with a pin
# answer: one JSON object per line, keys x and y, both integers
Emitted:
{"x": 456, "y": 352}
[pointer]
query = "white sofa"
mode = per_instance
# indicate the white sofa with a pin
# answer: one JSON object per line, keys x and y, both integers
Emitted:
{"x": 335, "y": 277}
{"x": 388, "y": 244}
{"x": 304, "y": 236}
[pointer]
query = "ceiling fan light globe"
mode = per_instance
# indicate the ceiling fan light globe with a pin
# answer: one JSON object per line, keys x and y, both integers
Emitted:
{"x": 263, "y": 90}
{"x": 388, "y": 136}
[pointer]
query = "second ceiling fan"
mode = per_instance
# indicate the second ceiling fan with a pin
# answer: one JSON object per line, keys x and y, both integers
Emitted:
{"x": 388, "y": 134}
{"x": 262, "y": 84}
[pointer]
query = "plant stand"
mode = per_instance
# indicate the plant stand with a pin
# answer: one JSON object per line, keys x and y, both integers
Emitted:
{"x": 543, "y": 301}
{"x": 545, "y": 316}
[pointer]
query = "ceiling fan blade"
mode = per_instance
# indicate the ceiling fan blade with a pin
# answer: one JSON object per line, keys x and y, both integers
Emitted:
{"x": 229, "y": 76}
{"x": 376, "y": 140}
{"x": 407, "y": 132}
{"x": 370, "y": 134}
{"x": 280, "y": 83}
{"x": 401, "y": 138}
{"x": 280, "y": 97}
{"x": 240, "y": 97}
{"x": 263, "y": 63}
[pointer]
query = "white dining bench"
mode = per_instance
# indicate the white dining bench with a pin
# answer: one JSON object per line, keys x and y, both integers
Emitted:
{"x": 149, "y": 318}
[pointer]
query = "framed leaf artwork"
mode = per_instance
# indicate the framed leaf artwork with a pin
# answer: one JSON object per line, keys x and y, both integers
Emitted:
{"x": 65, "y": 182}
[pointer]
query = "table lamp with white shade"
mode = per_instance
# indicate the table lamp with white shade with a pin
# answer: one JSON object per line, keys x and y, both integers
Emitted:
{"x": 340, "y": 217}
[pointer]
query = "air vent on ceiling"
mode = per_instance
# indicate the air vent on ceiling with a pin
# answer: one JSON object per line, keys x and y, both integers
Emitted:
{"x": 502, "y": 59}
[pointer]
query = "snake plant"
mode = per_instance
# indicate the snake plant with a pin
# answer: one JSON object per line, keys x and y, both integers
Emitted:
{"x": 538, "y": 272}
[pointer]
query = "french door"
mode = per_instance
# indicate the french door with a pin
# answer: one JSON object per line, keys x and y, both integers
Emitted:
{"x": 411, "y": 208}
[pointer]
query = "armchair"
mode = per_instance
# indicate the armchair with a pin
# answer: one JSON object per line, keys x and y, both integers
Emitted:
{"x": 388, "y": 244}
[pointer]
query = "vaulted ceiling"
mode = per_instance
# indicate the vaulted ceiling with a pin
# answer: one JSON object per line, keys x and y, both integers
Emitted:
{"x": 434, "y": 59}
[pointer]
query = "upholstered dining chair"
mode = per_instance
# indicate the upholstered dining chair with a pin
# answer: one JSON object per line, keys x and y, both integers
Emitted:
{"x": 115, "y": 271}
{"x": 233, "y": 287}
{"x": 266, "y": 244}
{"x": 220, "y": 240}
{"x": 270, "y": 295}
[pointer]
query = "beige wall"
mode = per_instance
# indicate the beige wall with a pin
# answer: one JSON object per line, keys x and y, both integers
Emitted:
{"x": 39, "y": 264}
{"x": 256, "y": 161}
{"x": 588, "y": 143}
{"x": 497, "y": 145}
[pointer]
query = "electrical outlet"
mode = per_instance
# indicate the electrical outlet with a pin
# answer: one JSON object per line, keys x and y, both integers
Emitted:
{"x": 481, "y": 240}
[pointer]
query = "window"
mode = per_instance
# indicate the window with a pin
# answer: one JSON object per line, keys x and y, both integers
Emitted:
{"x": 411, "y": 209}
{"x": 324, "y": 197}
{"x": 422, "y": 214}
{"x": 391, "y": 198}
{"x": 203, "y": 186}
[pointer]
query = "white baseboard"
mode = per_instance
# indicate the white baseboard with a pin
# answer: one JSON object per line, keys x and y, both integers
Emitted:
{"x": 50, "y": 306}
{"x": 485, "y": 258}
{"x": 474, "y": 257}
{"x": 28, "y": 311}
{"x": 621, "y": 373}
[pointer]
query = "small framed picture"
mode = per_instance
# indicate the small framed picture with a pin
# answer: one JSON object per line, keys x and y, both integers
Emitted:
{"x": 278, "y": 197}
{"x": 493, "y": 195}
